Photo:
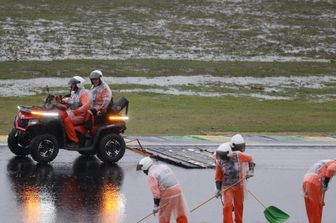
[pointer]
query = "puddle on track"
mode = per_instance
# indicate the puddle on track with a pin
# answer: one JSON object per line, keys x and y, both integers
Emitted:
{"x": 72, "y": 188}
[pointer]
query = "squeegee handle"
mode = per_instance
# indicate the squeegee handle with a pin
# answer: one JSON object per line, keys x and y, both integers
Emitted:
{"x": 147, "y": 216}
{"x": 223, "y": 190}
{"x": 262, "y": 204}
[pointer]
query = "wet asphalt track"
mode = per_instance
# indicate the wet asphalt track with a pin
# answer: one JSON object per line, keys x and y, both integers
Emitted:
{"x": 78, "y": 189}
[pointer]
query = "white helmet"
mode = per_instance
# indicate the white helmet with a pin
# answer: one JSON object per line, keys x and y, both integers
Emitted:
{"x": 223, "y": 151}
{"x": 96, "y": 74}
{"x": 225, "y": 148}
{"x": 144, "y": 164}
{"x": 79, "y": 81}
{"x": 238, "y": 143}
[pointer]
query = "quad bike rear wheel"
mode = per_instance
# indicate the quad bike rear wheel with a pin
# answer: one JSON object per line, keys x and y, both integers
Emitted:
{"x": 111, "y": 148}
{"x": 17, "y": 146}
{"x": 44, "y": 148}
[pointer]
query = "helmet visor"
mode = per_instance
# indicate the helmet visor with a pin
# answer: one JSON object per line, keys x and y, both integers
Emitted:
{"x": 73, "y": 81}
{"x": 95, "y": 75}
{"x": 238, "y": 147}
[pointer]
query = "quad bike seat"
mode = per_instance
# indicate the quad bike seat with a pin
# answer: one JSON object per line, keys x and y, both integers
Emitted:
{"x": 61, "y": 107}
{"x": 113, "y": 107}
{"x": 120, "y": 104}
{"x": 88, "y": 121}
{"x": 92, "y": 119}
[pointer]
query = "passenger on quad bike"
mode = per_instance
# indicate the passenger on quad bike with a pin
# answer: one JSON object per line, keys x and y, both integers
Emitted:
{"x": 79, "y": 103}
{"x": 101, "y": 93}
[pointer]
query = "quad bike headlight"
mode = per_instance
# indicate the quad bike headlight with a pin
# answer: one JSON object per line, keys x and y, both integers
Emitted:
{"x": 42, "y": 113}
{"x": 117, "y": 118}
{"x": 38, "y": 112}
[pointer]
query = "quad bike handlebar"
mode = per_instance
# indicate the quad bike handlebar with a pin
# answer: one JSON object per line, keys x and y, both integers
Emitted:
{"x": 54, "y": 102}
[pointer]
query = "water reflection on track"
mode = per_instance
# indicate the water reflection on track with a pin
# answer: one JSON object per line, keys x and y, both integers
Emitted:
{"x": 89, "y": 191}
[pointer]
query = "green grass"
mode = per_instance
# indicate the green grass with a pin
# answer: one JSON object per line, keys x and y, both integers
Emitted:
{"x": 158, "y": 114}
{"x": 239, "y": 29}
{"x": 157, "y": 67}
{"x": 8, "y": 109}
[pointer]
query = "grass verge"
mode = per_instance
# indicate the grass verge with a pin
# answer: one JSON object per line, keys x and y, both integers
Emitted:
{"x": 158, "y": 114}
{"x": 157, "y": 67}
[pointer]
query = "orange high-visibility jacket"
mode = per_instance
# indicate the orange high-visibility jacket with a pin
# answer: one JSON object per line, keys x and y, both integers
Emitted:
{"x": 235, "y": 168}
{"x": 323, "y": 168}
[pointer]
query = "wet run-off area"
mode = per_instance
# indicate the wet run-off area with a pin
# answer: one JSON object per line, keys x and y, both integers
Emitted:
{"x": 197, "y": 30}
{"x": 265, "y": 88}
{"x": 75, "y": 188}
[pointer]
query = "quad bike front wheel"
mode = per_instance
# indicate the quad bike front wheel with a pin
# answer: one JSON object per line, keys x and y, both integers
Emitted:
{"x": 44, "y": 148}
{"x": 16, "y": 145}
{"x": 111, "y": 148}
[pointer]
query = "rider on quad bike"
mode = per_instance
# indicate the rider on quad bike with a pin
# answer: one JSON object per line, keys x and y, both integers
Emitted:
{"x": 40, "y": 131}
{"x": 101, "y": 93}
{"x": 79, "y": 103}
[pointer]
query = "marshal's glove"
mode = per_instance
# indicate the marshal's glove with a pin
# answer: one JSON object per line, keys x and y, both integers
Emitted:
{"x": 249, "y": 175}
{"x": 250, "y": 172}
{"x": 58, "y": 98}
{"x": 156, "y": 205}
{"x": 155, "y": 209}
{"x": 218, "y": 194}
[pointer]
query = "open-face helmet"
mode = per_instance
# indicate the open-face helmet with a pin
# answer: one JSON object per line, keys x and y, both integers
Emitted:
{"x": 223, "y": 151}
{"x": 96, "y": 74}
{"x": 76, "y": 82}
{"x": 238, "y": 143}
{"x": 144, "y": 164}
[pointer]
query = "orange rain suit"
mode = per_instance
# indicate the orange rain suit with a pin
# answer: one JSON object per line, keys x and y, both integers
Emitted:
{"x": 80, "y": 103}
{"x": 313, "y": 188}
{"x": 101, "y": 96}
{"x": 164, "y": 186}
{"x": 230, "y": 172}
